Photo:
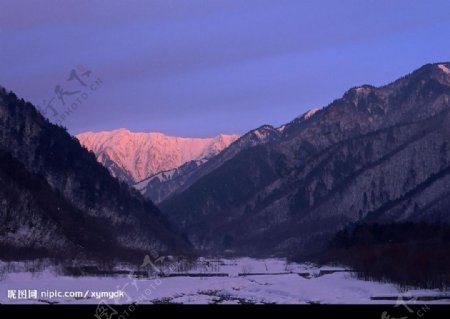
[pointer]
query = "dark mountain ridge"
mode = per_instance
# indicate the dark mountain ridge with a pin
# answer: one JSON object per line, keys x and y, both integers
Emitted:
{"x": 378, "y": 153}
{"x": 96, "y": 210}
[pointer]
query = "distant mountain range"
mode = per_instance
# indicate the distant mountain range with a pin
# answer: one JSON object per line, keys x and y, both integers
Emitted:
{"x": 135, "y": 156}
{"x": 56, "y": 200}
{"x": 377, "y": 154}
{"x": 164, "y": 184}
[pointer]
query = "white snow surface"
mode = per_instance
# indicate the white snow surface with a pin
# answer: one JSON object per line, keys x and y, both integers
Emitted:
{"x": 281, "y": 128}
{"x": 308, "y": 114}
{"x": 161, "y": 176}
{"x": 260, "y": 134}
{"x": 145, "y": 154}
{"x": 444, "y": 68}
{"x": 274, "y": 281}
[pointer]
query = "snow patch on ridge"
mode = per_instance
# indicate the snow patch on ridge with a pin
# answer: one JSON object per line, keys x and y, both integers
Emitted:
{"x": 260, "y": 134}
{"x": 444, "y": 69}
{"x": 281, "y": 128}
{"x": 161, "y": 176}
{"x": 308, "y": 114}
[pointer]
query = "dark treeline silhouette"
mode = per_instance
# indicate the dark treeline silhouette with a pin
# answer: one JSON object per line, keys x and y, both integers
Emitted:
{"x": 409, "y": 254}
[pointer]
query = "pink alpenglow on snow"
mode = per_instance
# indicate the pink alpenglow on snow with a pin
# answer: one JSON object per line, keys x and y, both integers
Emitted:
{"x": 143, "y": 154}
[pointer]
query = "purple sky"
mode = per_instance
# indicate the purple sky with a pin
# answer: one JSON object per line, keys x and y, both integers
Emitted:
{"x": 199, "y": 68}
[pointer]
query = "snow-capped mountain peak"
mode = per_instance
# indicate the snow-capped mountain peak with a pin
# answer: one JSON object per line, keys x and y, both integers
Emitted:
{"x": 133, "y": 156}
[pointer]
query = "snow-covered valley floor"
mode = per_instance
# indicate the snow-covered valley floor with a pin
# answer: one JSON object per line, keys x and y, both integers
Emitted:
{"x": 238, "y": 281}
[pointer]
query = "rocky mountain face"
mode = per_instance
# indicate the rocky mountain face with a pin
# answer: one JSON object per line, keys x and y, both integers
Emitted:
{"x": 161, "y": 186}
{"x": 57, "y": 200}
{"x": 133, "y": 157}
{"x": 376, "y": 154}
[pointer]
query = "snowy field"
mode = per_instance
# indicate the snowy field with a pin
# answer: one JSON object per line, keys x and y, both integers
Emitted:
{"x": 232, "y": 281}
